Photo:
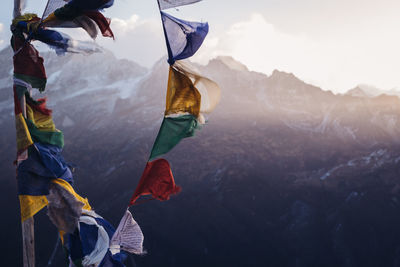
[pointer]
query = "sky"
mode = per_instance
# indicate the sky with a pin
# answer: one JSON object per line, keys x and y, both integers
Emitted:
{"x": 334, "y": 44}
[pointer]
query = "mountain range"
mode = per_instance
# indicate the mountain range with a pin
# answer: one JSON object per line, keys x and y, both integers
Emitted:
{"x": 283, "y": 173}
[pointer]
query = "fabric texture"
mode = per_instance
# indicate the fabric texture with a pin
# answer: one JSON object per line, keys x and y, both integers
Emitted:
{"x": 183, "y": 38}
{"x": 53, "y": 5}
{"x": 102, "y": 22}
{"x": 91, "y": 4}
{"x": 30, "y": 205}
{"x": 157, "y": 180}
{"x": 28, "y": 65}
{"x": 24, "y": 139}
{"x": 33, "y": 178}
{"x": 72, "y": 12}
{"x": 42, "y": 129}
{"x": 165, "y": 4}
{"x": 88, "y": 245}
{"x": 95, "y": 241}
{"x": 64, "y": 210}
{"x": 128, "y": 236}
{"x": 52, "y": 159}
{"x": 71, "y": 190}
{"x": 60, "y": 42}
{"x": 172, "y": 131}
{"x": 81, "y": 21}
{"x": 182, "y": 96}
{"x": 76, "y": 6}
{"x": 209, "y": 90}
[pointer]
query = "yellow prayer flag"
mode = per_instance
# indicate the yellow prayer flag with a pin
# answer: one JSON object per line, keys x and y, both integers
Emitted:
{"x": 42, "y": 122}
{"x": 209, "y": 90}
{"x": 182, "y": 96}
{"x": 30, "y": 205}
{"x": 24, "y": 139}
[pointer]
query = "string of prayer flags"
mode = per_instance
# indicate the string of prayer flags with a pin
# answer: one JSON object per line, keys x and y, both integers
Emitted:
{"x": 43, "y": 176}
{"x": 188, "y": 95}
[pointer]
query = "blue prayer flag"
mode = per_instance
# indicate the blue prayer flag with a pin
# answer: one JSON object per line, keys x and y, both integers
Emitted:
{"x": 33, "y": 177}
{"x": 51, "y": 157}
{"x": 183, "y": 38}
{"x": 61, "y": 42}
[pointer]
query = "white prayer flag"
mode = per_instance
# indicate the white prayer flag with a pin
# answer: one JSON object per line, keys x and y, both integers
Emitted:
{"x": 165, "y": 4}
{"x": 128, "y": 236}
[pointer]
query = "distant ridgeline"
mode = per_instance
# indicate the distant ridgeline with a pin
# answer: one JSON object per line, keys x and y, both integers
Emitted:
{"x": 44, "y": 178}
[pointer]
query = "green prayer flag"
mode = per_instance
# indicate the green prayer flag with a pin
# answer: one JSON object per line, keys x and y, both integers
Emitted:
{"x": 55, "y": 138}
{"x": 172, "y": 131}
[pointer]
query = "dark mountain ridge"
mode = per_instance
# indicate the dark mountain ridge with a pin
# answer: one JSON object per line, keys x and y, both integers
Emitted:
{"x": 283, "y": 174}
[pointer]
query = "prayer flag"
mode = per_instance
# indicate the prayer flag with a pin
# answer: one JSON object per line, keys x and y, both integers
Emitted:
{"x": 172, "y": 131}
{"x": 128, "y": 236}
{"x": 41, "y": 127}
{"x": 157, "y": 180}
{"x": 30, "y": 205}
{"x": 165, "y": 4}
{"x": 64, "y": 209}
{"x": 70, "y": 15}
{"x": 28, "y": 65}
{"x": 182, "y": 96}
{"x": 183, "y": 38}
{"x": 60, "y": 42}
{"x": 209, "y": 90}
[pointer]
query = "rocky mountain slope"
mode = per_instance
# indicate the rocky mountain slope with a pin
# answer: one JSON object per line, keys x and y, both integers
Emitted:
{"x": 283, "y": 174}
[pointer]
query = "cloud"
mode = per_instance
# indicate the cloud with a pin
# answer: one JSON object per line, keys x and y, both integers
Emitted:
{"x": 141, "y": 40}
{"x": 2, "y": 36}
{"x": 123, "y": 27}
{"x": 336, "y": 63}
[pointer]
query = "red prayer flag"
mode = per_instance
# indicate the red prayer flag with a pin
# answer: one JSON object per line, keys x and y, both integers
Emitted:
{"x": 157, "y": 180}
{"x": 102, "y": 22}
{"x": 27, "y": 60}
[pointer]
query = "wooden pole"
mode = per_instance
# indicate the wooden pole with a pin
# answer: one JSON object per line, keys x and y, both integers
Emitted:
{"x": 17, "y": 8}
{"x": 28, "y": 242}
{"x": 28, "y": 226}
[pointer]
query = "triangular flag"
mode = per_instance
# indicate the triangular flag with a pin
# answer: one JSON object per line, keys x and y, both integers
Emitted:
{"x": 172, "y": 131}
{"x": 183, "y": 38}
{"x": 157, "y": 180}
{"x": 209, "y": 90}
{"x": 128, "y": 236}
{"x": 182, "y": 96}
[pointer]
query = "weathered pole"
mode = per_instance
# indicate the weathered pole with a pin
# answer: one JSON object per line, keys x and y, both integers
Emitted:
{"x": 28, "y": 226}
{"x": 17, "y": 8}
{"x": 28, "y": 242}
